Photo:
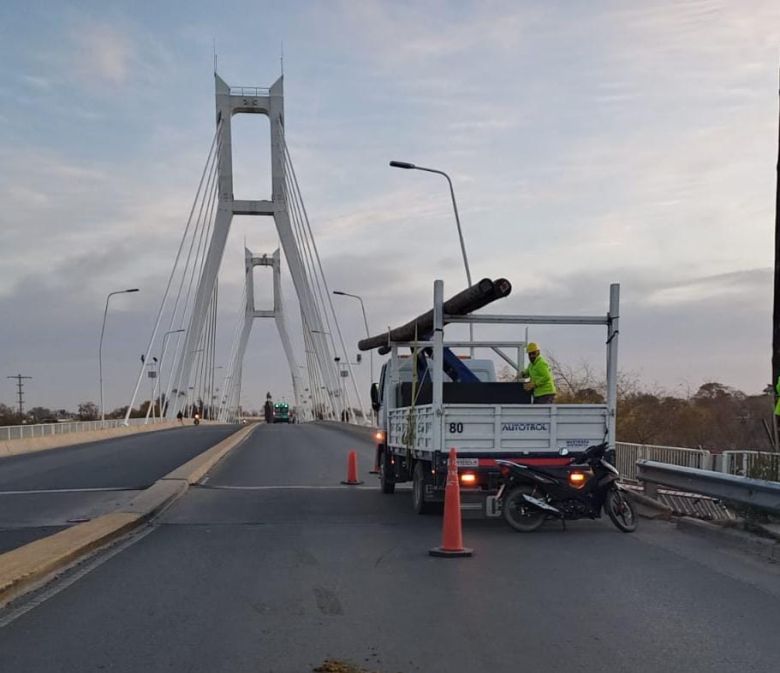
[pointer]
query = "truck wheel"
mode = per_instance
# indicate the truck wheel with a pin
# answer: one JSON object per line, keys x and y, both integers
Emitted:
{"x": 421, "y": 506}
{"x": 385, "y": 477}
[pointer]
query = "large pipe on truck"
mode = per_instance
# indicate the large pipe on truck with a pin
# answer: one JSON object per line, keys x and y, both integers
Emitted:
{"x": 471, "y": 299}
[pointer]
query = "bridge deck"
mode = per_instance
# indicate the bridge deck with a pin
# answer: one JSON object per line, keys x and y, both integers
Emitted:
{"x": 272, "y": 566}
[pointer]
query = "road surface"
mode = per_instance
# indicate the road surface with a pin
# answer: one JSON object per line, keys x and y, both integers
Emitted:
{"x": 44, "y": 491}
{"x": 272, "y": 566}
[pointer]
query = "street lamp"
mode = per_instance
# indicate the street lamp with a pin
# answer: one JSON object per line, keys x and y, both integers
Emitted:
{"x": 365, "y": 322}
{"x": 407, "y": 165}
{"x": 100, "y": 348}
{"x": 162, "y": 358}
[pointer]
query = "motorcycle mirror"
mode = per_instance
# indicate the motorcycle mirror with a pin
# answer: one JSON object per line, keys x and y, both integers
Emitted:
{"x": 564, "y": 451}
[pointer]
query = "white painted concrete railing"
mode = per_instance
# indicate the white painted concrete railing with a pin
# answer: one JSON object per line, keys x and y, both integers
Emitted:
{"x": 10, "y": 432}
{"x": 627, "y": 454}
{"x": 754, "y": 464}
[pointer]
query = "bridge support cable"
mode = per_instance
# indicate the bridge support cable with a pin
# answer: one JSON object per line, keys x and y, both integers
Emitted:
{"x": 188, "y": 269}
{"x": 179, "y": 311}
{"x": 320, "y": 409}
{"x": 194, "y": 312}
{"x": 319, "y": 274}
{"x": 210, "y": 161}
{"x": 227, "y": 382}
{"x": 193, "y": 271}
{"x": 307, "y": 329}
{"x": 307, "y": 258}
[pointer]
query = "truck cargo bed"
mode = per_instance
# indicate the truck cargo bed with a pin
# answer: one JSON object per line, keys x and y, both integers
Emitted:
{"x": 518, "y": 429}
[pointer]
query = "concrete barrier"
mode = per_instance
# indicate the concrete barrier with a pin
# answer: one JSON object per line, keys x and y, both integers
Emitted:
{"x": 15, "y": 447}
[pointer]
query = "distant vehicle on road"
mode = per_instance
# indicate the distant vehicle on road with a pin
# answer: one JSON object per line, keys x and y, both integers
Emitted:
{"x": 281, "y": 412}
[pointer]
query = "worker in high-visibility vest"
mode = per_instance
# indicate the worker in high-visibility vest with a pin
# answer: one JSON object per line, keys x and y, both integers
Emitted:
{"x": 777, "y": 390}
{"x": 541, "y": 384}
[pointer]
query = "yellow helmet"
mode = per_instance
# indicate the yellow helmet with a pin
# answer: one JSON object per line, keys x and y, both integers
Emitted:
{"x": 532, "y": 348}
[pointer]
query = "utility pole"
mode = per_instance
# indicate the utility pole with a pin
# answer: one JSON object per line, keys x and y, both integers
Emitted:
{"x": 20, "y": 391}
{"x": 776, "y": 308}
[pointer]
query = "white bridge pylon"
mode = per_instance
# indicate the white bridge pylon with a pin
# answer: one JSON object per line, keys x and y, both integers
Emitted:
{"x": 233, "y": 378}
{"x": 195, "y": 315}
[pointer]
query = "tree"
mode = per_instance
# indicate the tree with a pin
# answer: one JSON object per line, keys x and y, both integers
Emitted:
{"x": 88, "y": 411}
{"x": 8, "y": 416}
{"x": 41, "y": 414}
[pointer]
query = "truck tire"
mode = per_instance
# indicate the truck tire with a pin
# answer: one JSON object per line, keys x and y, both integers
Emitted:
{"x": 419, "y": 481}
{"x": 386, "y": 481}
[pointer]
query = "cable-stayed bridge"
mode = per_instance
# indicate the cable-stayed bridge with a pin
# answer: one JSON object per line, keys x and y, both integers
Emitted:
{"x": 185, "y": 327}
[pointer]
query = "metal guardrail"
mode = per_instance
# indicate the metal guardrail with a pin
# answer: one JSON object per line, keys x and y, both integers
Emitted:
{"x": 11, "y": 432}
{"x": 742, "y": 490}
{"x": 627, "y": 455}
{"x": 753, "y": 464}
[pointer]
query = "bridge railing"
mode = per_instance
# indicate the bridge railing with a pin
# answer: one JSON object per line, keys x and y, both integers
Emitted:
{"x": 735, "y": 489}
{"x": 627, "y": 455}
{"x": 11, "y": 432}
{"x": 252, "y": 91}
{"x": 753, "y": 464}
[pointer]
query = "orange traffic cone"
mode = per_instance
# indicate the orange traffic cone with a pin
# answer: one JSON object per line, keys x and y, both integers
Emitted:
{"x": 452, "y": 535}
{"x": 352, "y": 471}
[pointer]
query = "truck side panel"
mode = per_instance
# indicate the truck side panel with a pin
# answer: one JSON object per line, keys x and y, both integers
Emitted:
{"x": 518, "y": 429}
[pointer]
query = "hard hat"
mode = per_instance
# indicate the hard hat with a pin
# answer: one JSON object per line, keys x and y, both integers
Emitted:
{"x": 532, "y": 348}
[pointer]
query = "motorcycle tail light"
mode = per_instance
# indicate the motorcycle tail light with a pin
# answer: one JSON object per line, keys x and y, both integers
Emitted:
{"x": 505, "y": 471}
{"x": 577, "y": 479}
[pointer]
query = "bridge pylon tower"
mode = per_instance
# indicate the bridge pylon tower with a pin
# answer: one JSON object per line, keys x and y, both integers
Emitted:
{"x": 251, "y": 313}
{"x": 268, "y": 102}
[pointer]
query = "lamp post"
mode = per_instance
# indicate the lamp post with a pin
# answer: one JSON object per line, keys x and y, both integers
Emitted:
{"x": 365, "y": 322}
{"x": 162, "y": 359}
{"x": 407, "y": 165}
{"x": 100, "y": 348}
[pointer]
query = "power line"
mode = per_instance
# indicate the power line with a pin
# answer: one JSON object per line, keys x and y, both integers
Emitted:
{"x": 20, "y": 390}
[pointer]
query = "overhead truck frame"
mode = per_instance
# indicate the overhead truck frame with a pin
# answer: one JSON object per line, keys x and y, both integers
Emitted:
{"x": 482, "y": 421}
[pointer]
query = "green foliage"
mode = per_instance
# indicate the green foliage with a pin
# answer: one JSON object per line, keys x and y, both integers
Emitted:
{"x": 88, "y": 411}
{"x": 715, "y": 417}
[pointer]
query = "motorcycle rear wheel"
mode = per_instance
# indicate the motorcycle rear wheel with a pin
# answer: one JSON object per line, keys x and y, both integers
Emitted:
{"x": 518, "y": 514}
{"x": 620, "y": 510}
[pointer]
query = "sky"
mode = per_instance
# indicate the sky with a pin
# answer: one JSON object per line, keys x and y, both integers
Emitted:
{"x": 588, "y": 142}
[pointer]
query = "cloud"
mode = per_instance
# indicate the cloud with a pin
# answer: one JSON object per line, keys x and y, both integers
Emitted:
{"x": 36, "y": 81}
{"x": 745, "y": 286}
{"x": 104, "y": 53}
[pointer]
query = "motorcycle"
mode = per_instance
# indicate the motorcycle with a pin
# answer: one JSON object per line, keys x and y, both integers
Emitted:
{"x": 196, "y": 419}
{"x": 582, "y": 489}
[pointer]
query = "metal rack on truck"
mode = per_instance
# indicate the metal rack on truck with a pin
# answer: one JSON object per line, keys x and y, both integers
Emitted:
{"x": 432, "y": 400}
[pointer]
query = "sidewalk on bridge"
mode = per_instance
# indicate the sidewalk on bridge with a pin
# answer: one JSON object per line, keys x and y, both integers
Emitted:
{"x": 26, "y": 568}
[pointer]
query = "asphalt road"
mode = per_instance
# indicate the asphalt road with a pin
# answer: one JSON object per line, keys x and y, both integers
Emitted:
{"x": 45, "y": 491}
{"x": 271, "y": 566}
{"x": 132, "y": 461}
